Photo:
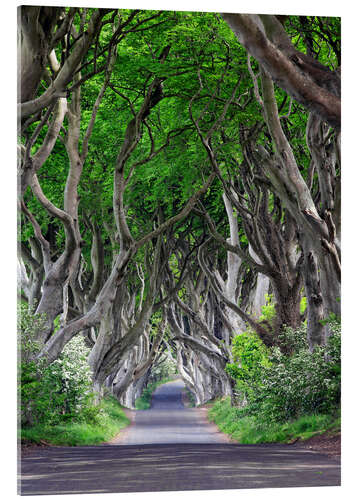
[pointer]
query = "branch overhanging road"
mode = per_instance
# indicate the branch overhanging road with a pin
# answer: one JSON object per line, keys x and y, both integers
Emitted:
{"x": 172, "y": 448}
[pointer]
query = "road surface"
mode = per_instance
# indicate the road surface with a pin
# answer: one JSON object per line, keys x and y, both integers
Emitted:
{"x": 168, "y": 421}
{"x": 172, "y": 448}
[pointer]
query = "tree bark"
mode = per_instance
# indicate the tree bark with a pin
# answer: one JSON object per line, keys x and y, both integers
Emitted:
{"x": 302, "y": 77}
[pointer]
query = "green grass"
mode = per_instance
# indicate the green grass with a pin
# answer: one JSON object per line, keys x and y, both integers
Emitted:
{"x": 254, "y": 430}
{"x": 144, "y": 401}
{"x": 109, "y": 422}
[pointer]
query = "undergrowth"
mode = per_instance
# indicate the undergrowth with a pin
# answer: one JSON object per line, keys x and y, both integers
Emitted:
{"x": 252, "y": 429}
{"x": 109, "y": 420}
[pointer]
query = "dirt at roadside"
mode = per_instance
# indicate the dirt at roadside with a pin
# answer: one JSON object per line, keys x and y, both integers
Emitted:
{"x": 123, "y": 432}
{"x": 327, "y": 443}
{"x": 27, "y": 447}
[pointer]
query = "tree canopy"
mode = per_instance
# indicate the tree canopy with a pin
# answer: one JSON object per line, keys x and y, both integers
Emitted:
{"x": 178, "y": 171}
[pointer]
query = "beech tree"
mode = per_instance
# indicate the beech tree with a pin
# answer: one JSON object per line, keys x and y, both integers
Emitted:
{"x": 167, "y": 186}
{"x": 302, "y": 76}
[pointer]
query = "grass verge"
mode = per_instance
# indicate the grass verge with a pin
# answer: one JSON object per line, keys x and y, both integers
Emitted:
{"x": 254, "y": 430}
{"x": 110, "y": 420}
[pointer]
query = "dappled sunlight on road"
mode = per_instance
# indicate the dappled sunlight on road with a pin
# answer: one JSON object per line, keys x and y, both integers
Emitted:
{"x": 172, "y": 448}
{"x": 174, "y": 468}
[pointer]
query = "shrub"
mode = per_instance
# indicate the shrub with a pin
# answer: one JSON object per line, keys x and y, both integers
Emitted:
{"x": 268, "y": 312}
{"x": 254, "y": 429}
{"x": 57, "y": 392}
{"x": 302, "y": 383}
{"x": 250, "y": 355}
{"x": 287, "y": 386}
{"x": 112, "y": 420}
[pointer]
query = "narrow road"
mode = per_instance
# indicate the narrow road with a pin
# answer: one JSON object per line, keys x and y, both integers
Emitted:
{"x": 168, "y": 421}
{"x": 172, "y": 448}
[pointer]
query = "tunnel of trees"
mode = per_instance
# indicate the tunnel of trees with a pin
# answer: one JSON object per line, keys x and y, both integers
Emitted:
{"x": 179, "y": 190}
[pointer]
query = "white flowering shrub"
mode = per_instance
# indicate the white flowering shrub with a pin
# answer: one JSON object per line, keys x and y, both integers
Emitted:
{"x": 29, "y": 326}
{"x": 277, "y": 384}
{"x": 58, "y": 392}
{"x": 302, "y": 382}
{"x": 68, "y": 382}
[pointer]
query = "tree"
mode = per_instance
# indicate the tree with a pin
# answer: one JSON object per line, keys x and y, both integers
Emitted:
{"x": 300, "y": 75}
{"x": 166, "y": 186}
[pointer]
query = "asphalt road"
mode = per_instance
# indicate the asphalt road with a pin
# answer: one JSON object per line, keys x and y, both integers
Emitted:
{"x": 171, "y": 448}
{"x": 168, "y": 421}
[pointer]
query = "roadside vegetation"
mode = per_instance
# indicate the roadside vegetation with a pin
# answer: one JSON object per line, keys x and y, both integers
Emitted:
{"x": 283, "y": 393}
{"x": 56, "y": 402}
{"x": 107, "y": 422}
{"x": 256, "y": 429}
{"x": 179, "y": 202}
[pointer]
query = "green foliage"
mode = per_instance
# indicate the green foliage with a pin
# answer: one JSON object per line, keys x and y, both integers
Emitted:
{"x": 59, "y": 392}
{"x": 255, "y": 429}
{"x": 268, "y": 310}
{"x": 109, "y": 421}
{"x": 250, "y": 356}
{"x": 311, "y": 380}
{"x": 331, "y": 319}
{"x": 293, "y": 340}
{"x": 303, "y": 305}
{"x": 29, "y": 326}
